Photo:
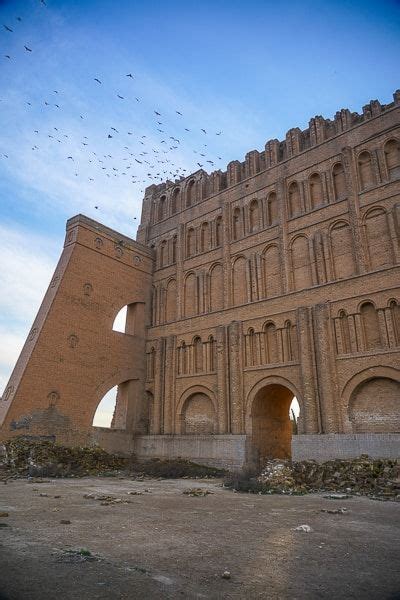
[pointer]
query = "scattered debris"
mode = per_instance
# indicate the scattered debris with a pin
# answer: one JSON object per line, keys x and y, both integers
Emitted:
{"x": 65, "y": 522}
{"x": 335, "y": 511}
{"x": 226, "y": 575}
{"x": 197, "y": 492}
{"x": 3, "y": 514}
{"x": 106, "y": 500}
{"x": 305, "y": 528}
{"x": 44, "y": 495}
{"x": 376, "y": 478}
{"x": 337, "y": 496}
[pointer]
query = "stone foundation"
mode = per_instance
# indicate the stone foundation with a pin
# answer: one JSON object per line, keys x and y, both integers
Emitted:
{"x": 224, "y": 451}
{"x": 349, "y": 445}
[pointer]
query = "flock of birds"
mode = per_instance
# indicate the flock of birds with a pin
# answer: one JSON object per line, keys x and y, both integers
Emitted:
{"x": 153, "y": 155}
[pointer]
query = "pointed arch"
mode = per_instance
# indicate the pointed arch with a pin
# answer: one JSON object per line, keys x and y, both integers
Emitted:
{"x": 272, "y": 209}
{"x": 370, "y": 326}
{"x": 190, "y": 295}
{"x": 342, "y": 250}
{"x": 239, "y": 281}
{"x": 272, "y": 271}
{"x": 191, "y": 193}
{"x": 344, "y": 331}
{"x": 392, "y": 158}
{"x": 301, "y": 267}
{"x": 254, "y": 216}
{"x": 171, "y": 301}
{"x": 161, "y": 208}
{"x": 270, "y": 343}
{"x": 294, "y": 200}
{"x": 365, "y": 170}
{"x": 198, "y": 354}
{"x": 175, "y": 201}
{"x": 218, "y": 231}
{"x": 379, "y": 243}
{"x": 190, "y": 242}
{"x": 316, "y": 193}
{"x": 237, "y": 224}
{"x": 339, "y": 181}
{"x": 216, "y": 287}
{"x": 204, "y": 237}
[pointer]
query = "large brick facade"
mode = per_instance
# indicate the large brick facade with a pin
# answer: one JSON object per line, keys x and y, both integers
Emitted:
{"x": 274, "y": 279}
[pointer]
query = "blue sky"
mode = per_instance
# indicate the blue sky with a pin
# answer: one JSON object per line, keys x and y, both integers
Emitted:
{"x": 249, "y": 69}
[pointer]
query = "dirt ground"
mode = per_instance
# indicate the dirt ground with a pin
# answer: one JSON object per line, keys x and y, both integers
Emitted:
{"x": 164, "y": 544}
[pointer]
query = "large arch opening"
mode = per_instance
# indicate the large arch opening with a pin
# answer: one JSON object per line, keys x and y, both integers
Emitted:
{"x": 130, "y": 318}
{"x": 274, "y": 416}
{"x": 374, "y": 406}
{"x": 105, "y": 411}
{"x": 198, "y": 415}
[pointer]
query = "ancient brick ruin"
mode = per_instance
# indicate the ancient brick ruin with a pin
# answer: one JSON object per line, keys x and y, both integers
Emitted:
{"x": 277, "y": 278}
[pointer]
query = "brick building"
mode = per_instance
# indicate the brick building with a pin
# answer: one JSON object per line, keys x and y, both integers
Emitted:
{"x": 278, "y": 278}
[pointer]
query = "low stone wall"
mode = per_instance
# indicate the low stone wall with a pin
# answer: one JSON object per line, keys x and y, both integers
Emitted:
{"x": 223, "y": 451}
{"x": 345, "y": 445}
{"x": 114, "y": 441}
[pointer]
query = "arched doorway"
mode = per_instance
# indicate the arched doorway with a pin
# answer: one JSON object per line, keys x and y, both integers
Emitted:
{"x": 374, "y": 406}
{"x": 271, "y": 425}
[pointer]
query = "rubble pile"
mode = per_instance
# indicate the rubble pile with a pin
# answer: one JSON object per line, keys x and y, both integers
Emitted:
{"x": 42, "y": 458}
{"x": 378, "y": 478}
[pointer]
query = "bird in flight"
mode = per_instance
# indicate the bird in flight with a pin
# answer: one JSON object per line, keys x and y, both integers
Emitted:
{"x": 8, "y": 28}
{"x": 27, "y": 49}
{"x": 186, "y": 129}
{"x": 199, "y": 165}
{"x": 219, "y": 133}
{"x": 98, "y": 80}
{"x": 178, "y": 113}
{"x": 19, "y": 19}
{"x": 7, "y": 56}
{"x": 109, "y": 136}
{"x": 113, "y": 128}
{"x": 204, "y": 131}
{"x": 70, "y": 158}
{"x": 130, "y": 75}
{"x": 157, "y": 113}
{"x": 121, "y": 97}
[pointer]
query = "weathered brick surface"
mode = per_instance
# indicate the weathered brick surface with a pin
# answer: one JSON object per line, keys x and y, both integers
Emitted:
{"x": 279, "y": 277}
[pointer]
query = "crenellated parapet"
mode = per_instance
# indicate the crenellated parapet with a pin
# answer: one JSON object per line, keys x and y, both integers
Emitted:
{"x": 296, "y": 141}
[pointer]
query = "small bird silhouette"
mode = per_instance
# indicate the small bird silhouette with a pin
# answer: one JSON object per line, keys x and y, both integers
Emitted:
{"x": 187, "y": 129}
{"x": 7, "y": 56}
{"x": 19, "y": 19}
{"x": 27, "y": 49}
{"x": 199, "y": 165}
{"x": 157, "y": 113}
{"x": 219, "y": 133}
{"x": 130, "y": 75}
{"x": 109, "y": 136}
{"x": 121, "y": 97}
{"x": 98, "y": 80}
{"x": 204, "y": 131}
{"x": 8, "y": 28}
{"x": 96, "y": 207}
{"x": 178, "y": 113}
{"x": 113, "y": 128}
{"x": 70, "y": 158}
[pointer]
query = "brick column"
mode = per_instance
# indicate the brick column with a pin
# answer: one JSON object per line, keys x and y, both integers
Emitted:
{"x": 310, "y": 419}
{"x": 326, "y": 368}
{"x": 169, "y": 390}
{"x": 159, "y": 388}
{"x": 222, "y": 380}
{"x": 353, "y": 205}
{"x": 236, "y": 376}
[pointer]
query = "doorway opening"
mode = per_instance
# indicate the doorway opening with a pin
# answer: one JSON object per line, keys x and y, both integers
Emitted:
{"x": 274, "y": 414}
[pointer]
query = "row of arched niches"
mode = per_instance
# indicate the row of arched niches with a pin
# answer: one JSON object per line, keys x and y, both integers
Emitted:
{"x": 370, "y": 328}
{"x": 373, "y": 167}
{"x": 310, "y": 260}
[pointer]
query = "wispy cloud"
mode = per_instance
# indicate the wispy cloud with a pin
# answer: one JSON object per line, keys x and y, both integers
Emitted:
{"x": 27, "y": 262}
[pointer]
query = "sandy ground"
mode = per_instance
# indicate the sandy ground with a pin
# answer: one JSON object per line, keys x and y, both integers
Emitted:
{"x": 164, "y": 544}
